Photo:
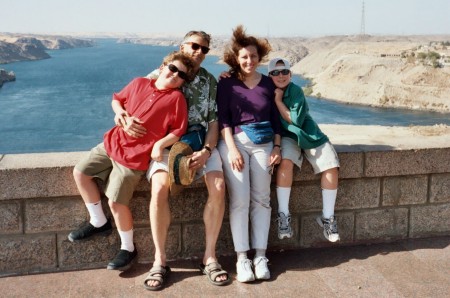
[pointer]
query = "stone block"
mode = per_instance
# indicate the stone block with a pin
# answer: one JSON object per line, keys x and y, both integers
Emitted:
{"x": 305, "y": 197}
{"x": 407, "y": 162}
{"x": 351, "y": 165}
{"x": 143, "y": 243}
{"x": 27, "y": 254}
{"x": 312, "y": 234}
{"x": 194, "y": 240}
{"x": 146, "y": 248}
{"x": 306, "y": 173}
{"x": 40, "y": 182}
{"x": 139, "y": 205}
{"x": 440, "y": 188}
{"x": 404, "y": 190}
{"x": 189, "y": 205}
{"x": 94, "y": 252}
{"x": 432, "y": 220}
{"x": 358, "y": 193}
{"x": 11, "y": 218}
{"x": 383, "y": 224}
{"x": 53, "y": 214}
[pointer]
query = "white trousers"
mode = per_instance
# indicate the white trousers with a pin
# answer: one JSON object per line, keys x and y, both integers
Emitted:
{"x": 249, "y": 192}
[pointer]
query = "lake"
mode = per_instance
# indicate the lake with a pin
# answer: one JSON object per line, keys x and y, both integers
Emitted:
{"x": 64, "y": 103}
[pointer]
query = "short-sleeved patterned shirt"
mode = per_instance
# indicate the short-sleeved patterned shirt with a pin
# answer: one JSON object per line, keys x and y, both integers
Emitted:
{"x": 201, "y": 97}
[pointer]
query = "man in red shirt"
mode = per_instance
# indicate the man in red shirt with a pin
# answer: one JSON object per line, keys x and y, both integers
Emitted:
{"x": 150, "y": 115}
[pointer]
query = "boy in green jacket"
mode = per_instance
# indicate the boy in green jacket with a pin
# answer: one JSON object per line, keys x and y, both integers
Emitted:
{"x": 301, "y": 136}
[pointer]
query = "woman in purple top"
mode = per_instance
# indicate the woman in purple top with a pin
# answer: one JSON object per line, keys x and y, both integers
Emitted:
{"x": 247, "y": 97}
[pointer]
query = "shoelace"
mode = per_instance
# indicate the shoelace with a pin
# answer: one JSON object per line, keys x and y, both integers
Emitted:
{"x": 259, "y": 259}
{"x": 247, "y": 264}
{"x": 283, "y": 222}
{"x": 330, "y": 224}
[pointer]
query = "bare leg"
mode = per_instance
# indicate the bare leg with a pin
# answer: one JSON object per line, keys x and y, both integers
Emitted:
{"x": 122, "y": 216}
{"x": 87, "y": 187}
{"x": 159, "y": 218}
{"x": 329, "y": 179}
{"x": 285, "y": 173}
{"x": 213, "y": 216}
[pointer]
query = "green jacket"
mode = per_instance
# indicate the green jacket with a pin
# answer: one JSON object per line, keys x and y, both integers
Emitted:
{"x": 303, "y": 128}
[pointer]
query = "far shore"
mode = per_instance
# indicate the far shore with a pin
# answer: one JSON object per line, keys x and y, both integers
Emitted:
{"x": 378, "y": 71}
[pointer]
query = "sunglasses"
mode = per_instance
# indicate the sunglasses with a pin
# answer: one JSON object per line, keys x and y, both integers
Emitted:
{"x": 196, "y": 46}
{"x": 276, "y": 73}
{"x": 175, "y": 69}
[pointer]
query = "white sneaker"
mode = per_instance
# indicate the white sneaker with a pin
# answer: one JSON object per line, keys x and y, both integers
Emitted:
{"x": 261, "y": 269}
{"x": 244, "y": 271}
{"x": 284, "y": 226}
{"x": 329, "y": 225}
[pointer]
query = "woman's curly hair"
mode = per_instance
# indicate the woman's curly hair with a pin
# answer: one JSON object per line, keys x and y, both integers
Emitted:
{"x": 241, "y": 40}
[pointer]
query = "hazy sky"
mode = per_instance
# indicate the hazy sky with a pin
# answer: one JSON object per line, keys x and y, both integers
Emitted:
{"x": 219, "y": 17}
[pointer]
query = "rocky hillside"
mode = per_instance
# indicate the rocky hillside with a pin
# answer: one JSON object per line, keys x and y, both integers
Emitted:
{"x": 15, "y": 47}
{"x": 378, "y": 71}
{"x": 6, "y": 76}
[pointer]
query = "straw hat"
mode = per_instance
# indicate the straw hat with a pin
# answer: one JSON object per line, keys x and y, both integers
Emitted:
{"x": 179, "y": 161}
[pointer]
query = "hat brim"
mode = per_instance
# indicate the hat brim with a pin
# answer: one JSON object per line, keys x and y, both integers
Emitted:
{"x": 179, "y": 150}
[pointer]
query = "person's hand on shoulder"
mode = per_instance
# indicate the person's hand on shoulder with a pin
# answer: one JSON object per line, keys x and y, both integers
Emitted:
{"x": 224, "y": 75}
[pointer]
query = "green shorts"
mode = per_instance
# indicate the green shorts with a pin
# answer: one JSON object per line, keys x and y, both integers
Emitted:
{"x": 120, "y": 180}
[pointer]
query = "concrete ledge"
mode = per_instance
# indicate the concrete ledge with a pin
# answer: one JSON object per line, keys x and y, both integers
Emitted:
{"x": 383, "y": 196}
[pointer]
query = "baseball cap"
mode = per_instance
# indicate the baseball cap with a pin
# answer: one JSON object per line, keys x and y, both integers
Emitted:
{"x": 273, "y": 64}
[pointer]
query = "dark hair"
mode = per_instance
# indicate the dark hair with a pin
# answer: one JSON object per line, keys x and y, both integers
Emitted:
{"x": 183, "y": 58}
{"x": 206, "y": 37}
{"x": 239, "y": 41}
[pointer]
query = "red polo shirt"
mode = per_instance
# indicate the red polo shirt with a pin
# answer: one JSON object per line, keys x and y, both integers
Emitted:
{"x": 162, "y": 112}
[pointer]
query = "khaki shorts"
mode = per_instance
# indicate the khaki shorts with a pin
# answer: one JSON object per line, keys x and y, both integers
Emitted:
{"x": 214, "y": 163}
{"x": 120, "y": 180}
{"x": 321, "y": 158}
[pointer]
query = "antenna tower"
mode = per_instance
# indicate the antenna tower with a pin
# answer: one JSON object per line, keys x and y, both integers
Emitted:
{"x": 363, "y": 22}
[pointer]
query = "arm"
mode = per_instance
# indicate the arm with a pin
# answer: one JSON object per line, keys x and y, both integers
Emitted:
{"x": 275, "y": 155}
{"x": 160, "y": 145}
{"x": 199, "y": 158}
{"x": 284, "y": 111}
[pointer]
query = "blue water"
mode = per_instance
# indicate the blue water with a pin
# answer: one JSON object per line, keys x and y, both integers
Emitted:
{"x": 64, "y": 103}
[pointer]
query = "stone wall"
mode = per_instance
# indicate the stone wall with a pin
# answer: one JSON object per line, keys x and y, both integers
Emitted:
{"x": 384, "y": 195}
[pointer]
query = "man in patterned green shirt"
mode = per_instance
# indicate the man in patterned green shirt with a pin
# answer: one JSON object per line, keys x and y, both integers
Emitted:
{"x": 201, "y": 96}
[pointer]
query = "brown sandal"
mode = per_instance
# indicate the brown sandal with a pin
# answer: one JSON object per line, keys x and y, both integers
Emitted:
{"x": 157, "y": 273}
{"x": 214, "y": 270}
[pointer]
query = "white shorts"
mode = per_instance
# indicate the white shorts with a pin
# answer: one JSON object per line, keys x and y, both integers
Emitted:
{"x": 321, "y": 158}
{"x": 214, "y": 163}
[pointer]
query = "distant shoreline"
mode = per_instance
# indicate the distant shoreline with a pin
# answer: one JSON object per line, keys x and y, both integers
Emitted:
{"x": 378, "y": 71}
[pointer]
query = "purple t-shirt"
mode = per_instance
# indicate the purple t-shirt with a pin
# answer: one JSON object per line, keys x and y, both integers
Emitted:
{"x": 237, "y": 104}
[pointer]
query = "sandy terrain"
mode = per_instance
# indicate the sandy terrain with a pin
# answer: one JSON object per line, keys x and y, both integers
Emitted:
{"x": 376, "y": 138}
{"x": 373, "y": 72}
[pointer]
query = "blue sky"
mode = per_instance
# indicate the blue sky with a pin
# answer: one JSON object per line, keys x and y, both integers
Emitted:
{"x": 260, "y": 17}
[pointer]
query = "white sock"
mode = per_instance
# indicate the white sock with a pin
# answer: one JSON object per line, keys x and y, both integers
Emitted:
{"x": 126, "y": 239}
{"x": 329, "y": 200}
{"x": 283, "y": 194}
{"x": 241, "y": 255}
{"x": 95, "y": 210}
{"x": 260, "y": 253}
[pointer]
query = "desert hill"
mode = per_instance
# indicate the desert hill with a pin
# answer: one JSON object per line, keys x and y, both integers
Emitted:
{"x": 378, "y": 72}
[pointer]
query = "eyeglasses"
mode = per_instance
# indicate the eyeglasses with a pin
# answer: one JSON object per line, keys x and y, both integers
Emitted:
{"x": 276, "y": 73}
{"x": 175, "y": 69}
{"x": 271, "y": 169}
{"x": 195, "y": 46}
